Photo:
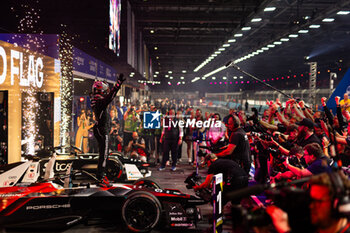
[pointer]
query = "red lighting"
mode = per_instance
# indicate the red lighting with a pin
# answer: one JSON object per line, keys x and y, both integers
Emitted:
{"x": 302, "y": 75}
{"x": 264, "y": 80}
{"x": 272, "y": 79}
{"x": 211, "y": 83}
{"x": 230, "y": 82}
{"x": 81, "y": 99}
{"x": 294, "y": 76}
{"x": 276, "y": 78}
{"x": 339, "y": 69}
{"x": 242, "y": 82}
{"x": 220, "y": 83}
{"x": 215, "y": 83}
{"x": 247, "y": 81}
{"x": 236, "y": 82}
{"x": 225, "y": 82}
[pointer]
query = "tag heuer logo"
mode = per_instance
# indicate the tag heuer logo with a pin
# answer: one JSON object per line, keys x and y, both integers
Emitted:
{"x": 151, "y": 120}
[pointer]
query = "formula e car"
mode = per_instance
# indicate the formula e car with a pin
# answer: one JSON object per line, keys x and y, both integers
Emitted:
{"x": 28, "y": 202}
{"x": 48, "y": 205}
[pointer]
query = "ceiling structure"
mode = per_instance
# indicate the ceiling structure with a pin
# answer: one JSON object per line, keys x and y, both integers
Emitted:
{"x": 183, "y": 35}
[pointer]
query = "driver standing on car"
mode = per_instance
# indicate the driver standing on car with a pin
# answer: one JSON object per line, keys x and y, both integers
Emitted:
{"x": 102, "y": 97}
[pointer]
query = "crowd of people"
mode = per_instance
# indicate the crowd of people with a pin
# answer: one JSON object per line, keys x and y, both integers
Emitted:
{"x": 287, "y": 141}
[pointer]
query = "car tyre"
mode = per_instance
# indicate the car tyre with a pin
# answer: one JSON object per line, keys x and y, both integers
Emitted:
{"x": 141, "y": 211}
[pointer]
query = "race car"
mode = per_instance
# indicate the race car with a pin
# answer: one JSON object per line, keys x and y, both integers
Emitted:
{"x": 140, "y": 206}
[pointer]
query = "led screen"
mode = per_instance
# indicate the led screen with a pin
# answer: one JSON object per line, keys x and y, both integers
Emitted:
{"x": 114, "y": 25}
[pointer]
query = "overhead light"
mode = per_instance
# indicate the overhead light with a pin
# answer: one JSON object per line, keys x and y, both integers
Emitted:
{"x": 270, "y": 9}
{"x": 171, "y": 77}
{"x": 231, "y": 41}
{"x": 277, "y": 42}
{"x": 213, "y": 78}
{"x": 182, "y": 77}
{"x": 246, "y": 28}
{"x": 271, "y": 45}
{"x": 241, "y": 77}
{"x": 307, "y": 17}
{"x": 343, "y": 12}
{"x": 132, "y": 73}
{"x": 234, "y": 77}
{"x": 221, "y": 49}
{"x": 328, "y": 20}
{"x": 224, "y": 78}
{"x": 203, "y": 78}
{"x": 78, "y": 79}
{"x": 256, "y": 20}
{"x": 166, "y": 75}
{"x": 226, "y": 45}
{"x": 303, "y": 31}
{"x": 170, "y": 72}
{"x": 215, "y": 71}
{"x": 260, "y": 50}
{"x": 238, "y": 35}
{"x": 155, "y": 75}
{"x": 314, "y": 26}
{"x": 157, "y": 72}
{"x": 152, "y": 31}
{"x": 183, "y": 82}
{"x": 293, "y": 35}
{"x": 184, "y": 71}
{"x": 155, "y": 48}
{"x": 217, "y": 52}
{"x": 265, "y": 48}
{"x": 157, "y": 57}
{"x": 284, "y": 39}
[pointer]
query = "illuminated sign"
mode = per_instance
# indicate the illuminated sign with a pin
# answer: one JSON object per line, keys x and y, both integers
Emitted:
{"x": 114, "y": 25}
{"x": 34, "y": 66}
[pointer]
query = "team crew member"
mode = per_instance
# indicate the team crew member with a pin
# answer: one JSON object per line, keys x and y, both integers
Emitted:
{"x": 238, "y": 148}
{"x": 102, "y": 97}
{"x": 234, "y": 176}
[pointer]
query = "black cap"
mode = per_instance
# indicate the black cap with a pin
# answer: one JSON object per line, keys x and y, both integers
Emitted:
{"x": 307, "y": 122}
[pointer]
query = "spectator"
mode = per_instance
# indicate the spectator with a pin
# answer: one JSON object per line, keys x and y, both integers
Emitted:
{"x": 130, "y": 124}
{"x": 171, "y": 138}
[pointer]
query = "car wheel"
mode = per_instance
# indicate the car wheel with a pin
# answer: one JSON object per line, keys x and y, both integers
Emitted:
{"x": 141, "y": 211}
{"x": 147, "y": 183}
{"x": 114, "y": 170}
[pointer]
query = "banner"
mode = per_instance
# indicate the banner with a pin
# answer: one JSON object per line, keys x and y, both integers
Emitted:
{"x": 343, "y": 87}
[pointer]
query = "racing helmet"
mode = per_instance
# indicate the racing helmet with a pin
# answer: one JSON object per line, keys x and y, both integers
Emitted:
{"x": 100, "y": 87}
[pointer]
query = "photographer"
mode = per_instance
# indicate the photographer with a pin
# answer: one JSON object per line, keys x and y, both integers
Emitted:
{"x": 306, "y": 133}
{"x": 315, "y": 159}
{"x": 234, "y": 176}
{"x": 238, "y": 148}
{"x": 137, "y": 147}
{"x": 329, "y": 201}
{"x": 116, "y": 136}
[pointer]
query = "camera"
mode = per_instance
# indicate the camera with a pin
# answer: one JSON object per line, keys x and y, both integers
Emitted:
{"x": 195, "y": 179}
{"x": 262, "y": 136}
{"x": 250, "y": 215}
{"x": 192, "y": 180}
